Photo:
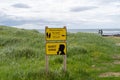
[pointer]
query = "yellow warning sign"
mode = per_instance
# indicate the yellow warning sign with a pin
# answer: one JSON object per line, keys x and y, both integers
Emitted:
{"x": 56, "y": 48}
{"x": 56, "y": 33}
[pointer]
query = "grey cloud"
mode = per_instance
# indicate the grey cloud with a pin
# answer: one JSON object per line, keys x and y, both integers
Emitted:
{"x": 118, "y": 6}
{"x": 110, "y": 0}
{"x": 107, "y": 1}
{"x": 82, "y": 8}
{"x": 21, "y": 5}
{"x": 8, "y": 20}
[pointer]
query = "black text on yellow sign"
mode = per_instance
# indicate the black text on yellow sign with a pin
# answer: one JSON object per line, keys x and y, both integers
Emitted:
{"x": 55, "y": 33}
{"x": 56, "y": 48}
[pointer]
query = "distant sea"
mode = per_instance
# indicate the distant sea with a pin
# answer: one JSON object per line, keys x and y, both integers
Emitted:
{"x": 105, "y": 31}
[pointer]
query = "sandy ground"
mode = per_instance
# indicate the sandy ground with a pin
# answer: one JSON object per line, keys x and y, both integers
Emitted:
{"x": 110, "y": 74}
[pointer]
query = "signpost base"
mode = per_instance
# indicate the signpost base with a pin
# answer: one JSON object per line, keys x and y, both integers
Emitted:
{"x": 46, "y": 59}
{"x": 64, "y": 62}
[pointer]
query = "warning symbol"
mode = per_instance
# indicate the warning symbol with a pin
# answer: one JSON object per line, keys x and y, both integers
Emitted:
{"x": 56, "y": 48}
{"x": 61, "y": 49}
{"x": 48, "y": 35}
{"x": 55, "y": 33}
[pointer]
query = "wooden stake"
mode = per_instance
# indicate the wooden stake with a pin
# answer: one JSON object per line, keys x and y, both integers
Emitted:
{"x": 47, "y": 63}
{"x": 64, "y": 62}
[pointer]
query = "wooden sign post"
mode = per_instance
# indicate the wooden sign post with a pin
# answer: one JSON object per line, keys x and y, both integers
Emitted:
{"x": 55, "y": 44}
{"x": 64, "y": 62}
{"x": 47, "y": 63}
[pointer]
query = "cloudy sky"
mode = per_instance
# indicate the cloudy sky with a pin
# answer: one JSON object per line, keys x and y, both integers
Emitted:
{"x": 75, "y": 14}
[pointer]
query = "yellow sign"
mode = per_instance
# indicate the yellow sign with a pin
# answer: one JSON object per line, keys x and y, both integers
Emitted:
{"x": 56, "y": 33}
{"x": 56, "y": 48}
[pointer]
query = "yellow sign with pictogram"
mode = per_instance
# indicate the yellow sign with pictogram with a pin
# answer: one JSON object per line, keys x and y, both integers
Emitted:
{"x": 55, "y": 33}
{"x": 56, "y": 48}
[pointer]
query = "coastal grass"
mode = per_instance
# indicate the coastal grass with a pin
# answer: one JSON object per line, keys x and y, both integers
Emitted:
{"x": 22, "y": 56}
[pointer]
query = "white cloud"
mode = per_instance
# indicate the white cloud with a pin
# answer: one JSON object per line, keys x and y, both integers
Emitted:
{"x": 60, "y": 12}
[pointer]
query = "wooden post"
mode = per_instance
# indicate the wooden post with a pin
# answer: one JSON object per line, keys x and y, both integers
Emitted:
{"x": 64, "y": 56}
{"x": 64, "y": 62}
{"x": 47, "y": 63}
{"x": 46, "y": 56}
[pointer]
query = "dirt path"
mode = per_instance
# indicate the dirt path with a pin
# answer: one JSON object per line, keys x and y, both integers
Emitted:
{"x": 110, "y": 74}
{"x": 116, "y": 61}
{"x": 116, "y": 57}
{"x": 117, "y": 44}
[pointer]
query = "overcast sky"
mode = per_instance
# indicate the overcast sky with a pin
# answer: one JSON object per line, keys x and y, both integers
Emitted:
{"x": 75, "y": 14}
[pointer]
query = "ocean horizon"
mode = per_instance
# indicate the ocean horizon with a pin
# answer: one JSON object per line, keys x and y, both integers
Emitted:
{"x": 105, "y": 31}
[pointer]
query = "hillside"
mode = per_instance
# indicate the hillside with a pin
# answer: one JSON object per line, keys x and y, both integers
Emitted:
{"x": 89, "y": 57}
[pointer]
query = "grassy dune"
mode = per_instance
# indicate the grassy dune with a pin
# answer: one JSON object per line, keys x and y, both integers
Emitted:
{"x": 22, "y": 56}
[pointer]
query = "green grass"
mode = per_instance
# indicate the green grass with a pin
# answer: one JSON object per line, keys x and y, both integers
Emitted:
{"x": 22, "y": 56}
